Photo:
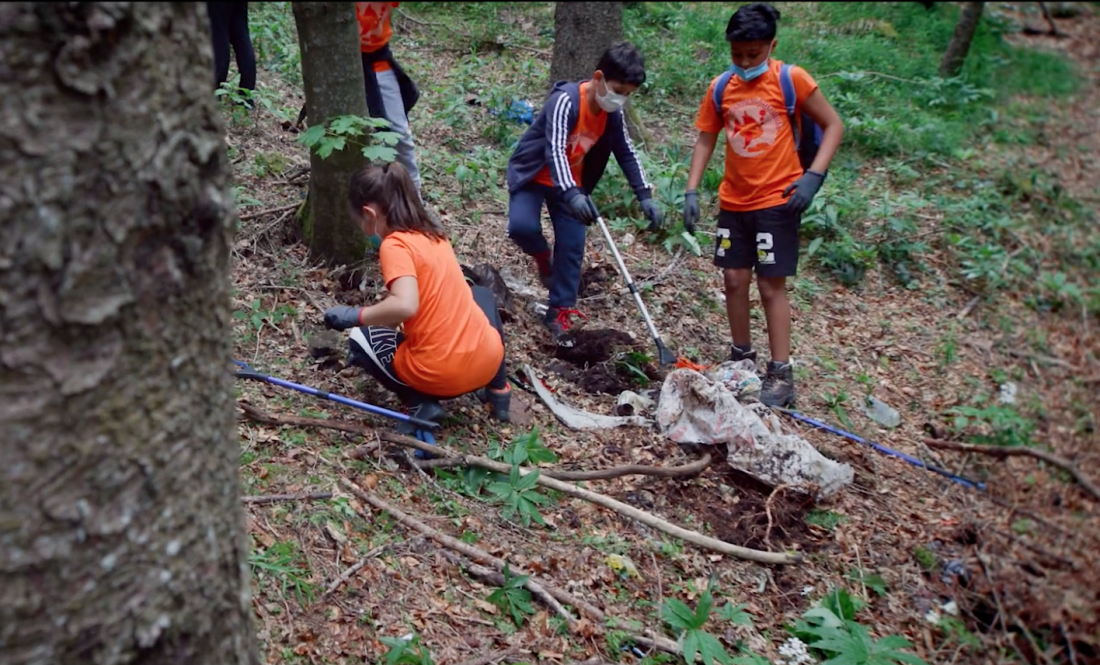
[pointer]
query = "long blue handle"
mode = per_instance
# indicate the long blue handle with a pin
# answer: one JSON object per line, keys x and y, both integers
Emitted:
{"x": 248, "y": 373}
{"x": 972, "y": 484}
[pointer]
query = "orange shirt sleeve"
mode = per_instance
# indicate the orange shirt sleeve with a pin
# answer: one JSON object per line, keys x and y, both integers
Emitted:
{"x": 396, "y": 258}
{"x": 804, "y": 84}
{"x": 707, "y": 119}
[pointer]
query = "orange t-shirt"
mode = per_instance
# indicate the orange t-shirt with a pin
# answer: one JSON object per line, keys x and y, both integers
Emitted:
{"x": 374, "y": 28}
{"x": 589, "y": 129}
{"x": 761, "y": 160}
{"x": 450, "y": 347}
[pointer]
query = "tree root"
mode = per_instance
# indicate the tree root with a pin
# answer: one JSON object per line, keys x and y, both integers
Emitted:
{"x": 1002, "y": 452}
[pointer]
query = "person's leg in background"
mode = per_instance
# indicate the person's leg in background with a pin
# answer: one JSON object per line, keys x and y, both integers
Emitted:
{"x": 242, "y": 45}
{"x": 219, "y": 35}
{"x": 498, "y": 394}
{"x": 569, "y": 239}
{"x": 525, "y": 228}
{"x": 399, "y": 122}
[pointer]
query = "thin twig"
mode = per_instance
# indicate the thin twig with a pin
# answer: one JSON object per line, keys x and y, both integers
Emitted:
{"x": 492, "y": 658}
{"x": 270, "y": 211}
{"x": 272, "y": 498}
{"x": 350, "y": 572}
{"x": 683, "y": 471}
{"x": 1001, "y": 452}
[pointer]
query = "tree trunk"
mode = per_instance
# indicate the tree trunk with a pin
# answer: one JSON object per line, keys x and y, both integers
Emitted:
{"x": 122, "y": 538}
{"x": 582, "y": 32}
{"x": 332, "y": 73}
{"x": 955, "y": 55}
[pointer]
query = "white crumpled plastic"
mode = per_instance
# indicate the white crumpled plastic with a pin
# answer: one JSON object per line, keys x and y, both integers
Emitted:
{"x": 695, "y": 409}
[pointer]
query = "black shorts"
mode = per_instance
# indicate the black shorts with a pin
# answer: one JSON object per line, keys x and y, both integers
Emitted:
{"x": 763, "y": 239}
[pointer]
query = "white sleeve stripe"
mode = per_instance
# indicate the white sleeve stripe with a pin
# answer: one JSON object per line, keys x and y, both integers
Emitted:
{"x": 637, "y": 160}
{"x": 559, "y": 131}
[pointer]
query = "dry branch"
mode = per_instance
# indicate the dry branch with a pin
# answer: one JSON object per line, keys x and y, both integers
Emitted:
{"x": 1002, "y": 452}
{"x": 683, "y": 471}
{"x": 270, "y": 211}
{"x": 492, "y": 658}
{"x": 350, "y": 572}
{"x": 272, "y": 498}
{"x": 478, "y": 555}
{"x": 688, "y": 535}
{"x": 693, "y": 537}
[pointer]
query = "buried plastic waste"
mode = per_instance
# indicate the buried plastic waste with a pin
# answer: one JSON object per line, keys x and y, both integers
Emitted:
{"x": 696, "y": 409}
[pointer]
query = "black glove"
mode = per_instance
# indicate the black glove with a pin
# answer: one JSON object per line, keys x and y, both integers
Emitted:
{"x": 805, "y": 188}
{"x": 649, "y": 208}
{"x": 341, "y": 317}
{"x": 581, "y": 206}
{"x": 691, "y": 210}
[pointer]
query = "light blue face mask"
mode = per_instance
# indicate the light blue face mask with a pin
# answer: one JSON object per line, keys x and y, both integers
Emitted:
{"x": 750, "y": 74}
{"x": 375, "y": 241}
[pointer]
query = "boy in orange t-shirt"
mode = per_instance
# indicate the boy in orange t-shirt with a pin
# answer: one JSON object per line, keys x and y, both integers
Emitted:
{"x": 453, "y": 341}
{"x": 765, "y": 190}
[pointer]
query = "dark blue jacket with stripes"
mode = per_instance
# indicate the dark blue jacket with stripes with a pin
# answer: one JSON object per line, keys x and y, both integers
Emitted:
{"x": 544, "y": 144}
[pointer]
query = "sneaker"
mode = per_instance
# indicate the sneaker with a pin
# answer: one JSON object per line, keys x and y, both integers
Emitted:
{"x": 558, "y": 320}
{"x": 544, "y": 267}
{"x": 777, "y": 388}
{"x": 429, "y": 410}
{"x": 500, "y": 401}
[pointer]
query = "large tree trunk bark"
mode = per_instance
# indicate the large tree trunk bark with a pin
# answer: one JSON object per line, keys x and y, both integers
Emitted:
{"x": 582, "y": 32}
{"x": 332, "y": 73}
{"x": 122, "y": 539}
{"x": 955, "y": 55}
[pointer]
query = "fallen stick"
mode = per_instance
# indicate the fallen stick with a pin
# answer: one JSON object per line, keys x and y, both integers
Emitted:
{"x": 491, "y": 658}
{"x": 1002, "y": 452}
{"x": 272, "y": 498}
{"x": 350, "y": 572}
{"x": 572, "y": 490}
{"x": 688, "y": 535}
{"x": 270, "y": 211}
{"x": 683, "y": 471}
{"x": 478, "y": 555}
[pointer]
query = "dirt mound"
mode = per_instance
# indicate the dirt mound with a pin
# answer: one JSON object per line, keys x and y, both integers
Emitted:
{"x": 604, "y": 360}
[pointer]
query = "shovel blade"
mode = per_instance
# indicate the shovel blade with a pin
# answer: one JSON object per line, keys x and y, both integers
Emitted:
{"x": 664, "y": 355}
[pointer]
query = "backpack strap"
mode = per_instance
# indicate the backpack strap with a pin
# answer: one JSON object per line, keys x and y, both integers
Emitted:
{"x": 719, "y": 89}
{"x": 790, "y": 100}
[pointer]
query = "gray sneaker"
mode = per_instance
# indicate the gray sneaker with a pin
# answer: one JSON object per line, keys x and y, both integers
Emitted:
{"x": 737, "y": 354}
{"x": 499, "y": 401}
{"x": 777, "y": 388}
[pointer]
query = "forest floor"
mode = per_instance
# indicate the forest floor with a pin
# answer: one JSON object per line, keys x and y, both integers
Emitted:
{"x": 1001, "y": 575}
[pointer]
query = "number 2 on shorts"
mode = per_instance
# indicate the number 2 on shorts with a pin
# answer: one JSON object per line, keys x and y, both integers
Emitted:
{"x": 764, "y": 244}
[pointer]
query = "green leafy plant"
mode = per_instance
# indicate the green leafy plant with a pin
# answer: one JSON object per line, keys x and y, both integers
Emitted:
{"x": 520, "y": 495}
{"x": 370, "y": 135}
{"x": 512, "y": 598}
{"x": 525, "y": 449}
{"x": 694, "y": 641}
{"x": 830, "y": 629}
{"x": 406, "y": 652}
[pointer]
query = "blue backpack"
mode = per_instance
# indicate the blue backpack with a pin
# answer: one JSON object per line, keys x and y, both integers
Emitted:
{"x": 806, "y": 144}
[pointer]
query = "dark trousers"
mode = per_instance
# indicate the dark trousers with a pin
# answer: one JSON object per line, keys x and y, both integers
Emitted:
{"x": 229, "y": 27}
{"x": 373, "y": 348}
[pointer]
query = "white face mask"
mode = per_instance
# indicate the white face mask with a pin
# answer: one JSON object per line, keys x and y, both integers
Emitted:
{"x": 609, "y": 101}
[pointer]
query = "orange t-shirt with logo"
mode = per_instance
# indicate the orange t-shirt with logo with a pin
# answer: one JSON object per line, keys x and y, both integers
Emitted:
{"x": 590, "y": 127}
{"x": 374, "y": 28}
{"x": 761, "y": 160}
{"x": 450, "y": 347}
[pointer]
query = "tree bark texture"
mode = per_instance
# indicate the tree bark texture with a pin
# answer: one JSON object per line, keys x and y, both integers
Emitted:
{"x": 122, "y": 540}
{"x": 332, "y": 73}
{"x": 582, "y": 32}
{"x": 955, "y": 55}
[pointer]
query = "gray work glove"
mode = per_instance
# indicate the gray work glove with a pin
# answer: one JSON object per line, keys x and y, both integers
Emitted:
{"x": 649, "y": 208}
{"x": 342, "y": 317}
{"x": 580, "y": 204}
{"x": 691, "y": 210}
{"x": 805, "y": 188}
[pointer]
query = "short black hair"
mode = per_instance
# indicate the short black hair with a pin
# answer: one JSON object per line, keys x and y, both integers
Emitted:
{"x": 755, "y": 22}
{"x": 623, "y": 63}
